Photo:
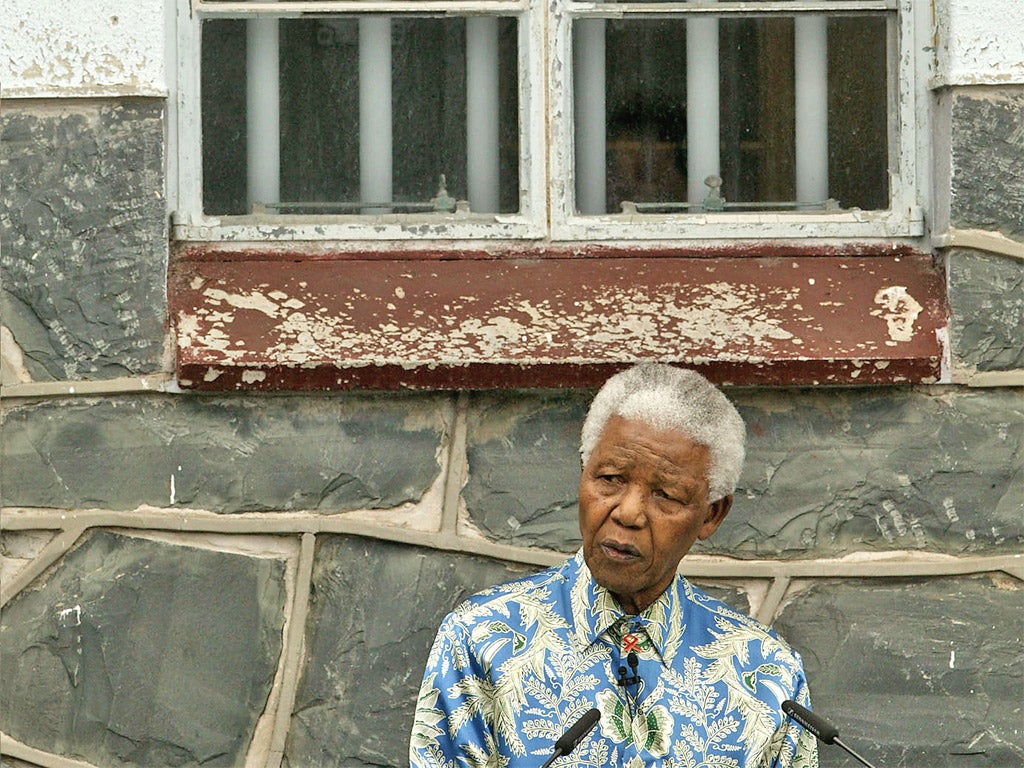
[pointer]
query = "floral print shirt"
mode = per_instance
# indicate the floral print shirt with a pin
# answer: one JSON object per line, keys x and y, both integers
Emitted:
{"x": 514, "y": 666}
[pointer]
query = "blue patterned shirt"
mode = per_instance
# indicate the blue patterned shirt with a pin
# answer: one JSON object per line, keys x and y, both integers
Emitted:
{"x": 516, "y": 665}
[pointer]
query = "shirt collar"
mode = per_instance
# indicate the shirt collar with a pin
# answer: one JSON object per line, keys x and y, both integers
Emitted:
{"x": 595, "y": 610}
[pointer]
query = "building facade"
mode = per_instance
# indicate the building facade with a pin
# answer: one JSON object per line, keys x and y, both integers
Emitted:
{"x": 266, "y": 418}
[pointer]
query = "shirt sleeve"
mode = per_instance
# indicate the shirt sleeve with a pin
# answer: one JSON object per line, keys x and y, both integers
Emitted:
{"x": 800, "y": 748}
{"x": 450, "y": 728}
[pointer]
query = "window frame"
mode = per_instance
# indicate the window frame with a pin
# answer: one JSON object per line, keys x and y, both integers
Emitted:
{"x": 190, "y": 223}
{"x": 547, "y": 152}
{"x": 904, "y": 218}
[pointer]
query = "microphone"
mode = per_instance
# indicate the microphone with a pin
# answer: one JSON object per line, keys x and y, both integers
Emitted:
{"x": 572, "y": 737}
{"x": 822, "y": 729}
{"x": 628, "y": 681}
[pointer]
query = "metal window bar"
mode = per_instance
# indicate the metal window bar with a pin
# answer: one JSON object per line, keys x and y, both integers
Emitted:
{"x": 375, "y": 117}
{"x": 713, "y": 201}
{"x": 442, "y": 202}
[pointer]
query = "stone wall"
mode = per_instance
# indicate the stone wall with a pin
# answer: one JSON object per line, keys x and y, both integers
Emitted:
{"x": 255, "y": 579}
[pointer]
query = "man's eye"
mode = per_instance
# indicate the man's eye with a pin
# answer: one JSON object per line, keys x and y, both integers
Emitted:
{"x": 610, "y": 478}
{"x": 660, "y": 494}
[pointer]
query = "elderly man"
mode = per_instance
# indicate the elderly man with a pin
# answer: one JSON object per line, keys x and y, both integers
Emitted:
{"x": 679, "y": 678}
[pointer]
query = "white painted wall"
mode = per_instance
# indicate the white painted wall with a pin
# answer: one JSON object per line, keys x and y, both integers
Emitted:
{"x": 979, "y": 42}
{"x": 62, "y": 48}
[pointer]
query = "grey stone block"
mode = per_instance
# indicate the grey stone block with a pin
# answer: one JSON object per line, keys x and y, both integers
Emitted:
{"x": 376, "y": 608}
{"x": 83, "y": 265}
{"x": 524, "y": 469}
{"x": 222, "y": 454}
{"x": 828, "y": 472}
{"x": 834, "y": 472}
{"x": 986, "y": 296}
{"x": 137, "y": 652}
{"x": 916, "y": 673}
{"x": 987, "y": 147}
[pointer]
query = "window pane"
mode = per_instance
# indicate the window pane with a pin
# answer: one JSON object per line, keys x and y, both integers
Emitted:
{"x": 710, "y": 97}
{"x": 418, "y": 93}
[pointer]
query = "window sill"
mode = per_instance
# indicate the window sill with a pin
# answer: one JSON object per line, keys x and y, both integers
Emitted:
{"x": 705, "y": 226}
{"x": 268, "y": 319}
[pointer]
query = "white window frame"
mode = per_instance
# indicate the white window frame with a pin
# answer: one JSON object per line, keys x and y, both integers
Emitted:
{"x": 190, "y": 223}
{"x": 546, "y": 166}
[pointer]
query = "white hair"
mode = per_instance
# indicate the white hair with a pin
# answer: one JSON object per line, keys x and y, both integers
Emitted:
{"x": 666, "y": 397}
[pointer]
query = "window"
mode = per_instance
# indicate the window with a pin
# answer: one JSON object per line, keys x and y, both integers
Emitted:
{"x": 546, "y": 119}
{"x": 479, "y": 193}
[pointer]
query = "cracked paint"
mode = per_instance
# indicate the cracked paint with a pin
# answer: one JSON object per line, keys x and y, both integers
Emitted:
{"x": 899, "y": 310}
{"x": 98, "y": 50}
{"x": 431, "y": 319}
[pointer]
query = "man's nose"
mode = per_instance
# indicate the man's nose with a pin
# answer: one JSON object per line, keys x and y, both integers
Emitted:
{"x": 631, "y": 509}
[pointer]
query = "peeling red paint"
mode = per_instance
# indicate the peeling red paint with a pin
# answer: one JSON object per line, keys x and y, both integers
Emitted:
{"x": 251, "y": 322}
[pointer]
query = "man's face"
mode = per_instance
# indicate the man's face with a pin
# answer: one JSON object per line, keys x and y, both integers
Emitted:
{"x": 643, "y": 502}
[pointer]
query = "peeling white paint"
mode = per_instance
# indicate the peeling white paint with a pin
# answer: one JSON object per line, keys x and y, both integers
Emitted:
{"x": 950, "y": 508}
{"x": 896, "y": 516}
{"x": 979, "y": 42}
{"x": 12, "y": 360}
{"x": 254, "y": 300}
{"x": 94, "y": 48}
{"x": 70, "y": 617}
{"x": 899, "y": 310}
{"x": 631, "y": 320}
{"x": 253, "y": 377}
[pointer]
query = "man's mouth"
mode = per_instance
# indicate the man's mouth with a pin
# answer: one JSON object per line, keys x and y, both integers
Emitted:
{"x": 620, "y": 551}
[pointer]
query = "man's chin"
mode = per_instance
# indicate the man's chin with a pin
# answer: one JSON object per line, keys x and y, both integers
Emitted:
{"x": 617, "y": 578}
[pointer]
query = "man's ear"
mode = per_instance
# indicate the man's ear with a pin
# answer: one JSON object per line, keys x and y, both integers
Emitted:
{"x": 717, "y": 510}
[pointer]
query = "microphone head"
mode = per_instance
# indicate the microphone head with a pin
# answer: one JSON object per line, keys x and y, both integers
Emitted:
{"x": 819, "y": 726}
{"x": 572, "y": 737}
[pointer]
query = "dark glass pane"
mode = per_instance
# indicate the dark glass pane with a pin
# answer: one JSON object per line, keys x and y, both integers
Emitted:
{"x": 646, "y": 104}
{"x": 858, "y": 115}
{"x": 320, "y": 110}
{"x": 223, "y": 116}
{"x": 319, "y": 114}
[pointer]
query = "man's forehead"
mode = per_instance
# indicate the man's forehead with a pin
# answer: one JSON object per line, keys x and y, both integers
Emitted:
{"x": 670, "y": 457}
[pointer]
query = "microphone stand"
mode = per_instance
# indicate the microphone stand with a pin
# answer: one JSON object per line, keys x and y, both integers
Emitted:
{"x": 822, "y": 729}
{"x": 572, "y": 737}
{"x": 853, "y": 754}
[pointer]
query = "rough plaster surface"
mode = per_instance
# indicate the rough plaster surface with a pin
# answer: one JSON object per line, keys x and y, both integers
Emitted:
{"x": 19, "y": 548}
{"x": 916, "y": 672}
{"x": 142, "y": 653}
{"x": 986, "y": 296}
{"x": 222, "y": 454}
{"x": 828, "y": 473}
{"x": 79, "y": 48}
{"x": 987, "y": 160}
{"x": 979, "y": 41}
{"x": 83, "y": 265}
